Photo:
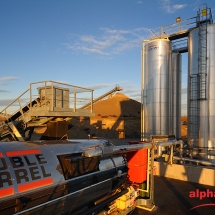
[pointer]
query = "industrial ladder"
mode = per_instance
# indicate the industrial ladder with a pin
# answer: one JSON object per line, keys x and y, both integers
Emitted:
{"x": 194, "y": 107}
{"x": 202, "y": 53}
{"x": 198, "y": 81}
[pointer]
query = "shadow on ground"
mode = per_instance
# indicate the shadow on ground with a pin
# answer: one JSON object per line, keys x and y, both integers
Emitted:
{"x": 172, "y": 197}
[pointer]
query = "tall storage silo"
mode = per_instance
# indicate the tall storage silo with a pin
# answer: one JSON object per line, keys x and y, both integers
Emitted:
{"x": 201, "y": 86}
{"x": 176, "y": 70}
{"x": 156, "y": 88}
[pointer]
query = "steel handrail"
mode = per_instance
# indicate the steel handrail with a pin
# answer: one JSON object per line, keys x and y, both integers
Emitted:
{"x": 83, "y": 88}
{"x": 167, "y": 29}
{"x": 4, "y": 110}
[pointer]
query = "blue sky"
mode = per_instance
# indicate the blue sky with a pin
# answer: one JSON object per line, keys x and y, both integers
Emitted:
{"x": 89, "y": 43}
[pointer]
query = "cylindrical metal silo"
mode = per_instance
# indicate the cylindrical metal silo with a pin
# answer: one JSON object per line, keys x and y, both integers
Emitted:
{"x": 201, "y": 87}
{"x": 176, "y": 93}
{"x": 156, "y": 88}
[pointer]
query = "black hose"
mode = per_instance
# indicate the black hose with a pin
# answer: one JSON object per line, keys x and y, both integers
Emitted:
{"x": 104, "y": 203}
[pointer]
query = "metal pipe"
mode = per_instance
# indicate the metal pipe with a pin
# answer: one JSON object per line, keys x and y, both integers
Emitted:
{"x": 92, "y": 101}
{"x": 129, "y": 148}
{"x": 55, "y": 82}
{"x": 142, "y": 93}
{"x": 46, "y": 95}
{"x": 181, "y": 147}
{"x": 171, "y": 154}
{"x": 207, "y": 163}
{"x": 159, "y": 146}
{"x": 30, "y": 88}
{"x": 152, "y": 175}
{"x": 99, "y": 151}
{"x": 20, "y": 108}
{"x": 74, "y": 99}
{"x": 15, "y": 100}
{"x": 54, "y": 97}
{"x": 148, "y": 174}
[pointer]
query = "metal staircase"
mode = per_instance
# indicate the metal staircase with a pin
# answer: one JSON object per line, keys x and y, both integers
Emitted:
{"x": 51, "y": 102}
{"x": 48, "y": 100}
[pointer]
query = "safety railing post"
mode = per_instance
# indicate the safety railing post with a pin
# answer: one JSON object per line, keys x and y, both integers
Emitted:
{"x": 92, "y": 101}
{"x": 74, "y": 99}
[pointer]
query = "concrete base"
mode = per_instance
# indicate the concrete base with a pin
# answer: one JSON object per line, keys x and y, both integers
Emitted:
{"x": 145, "y": 204}
{"x": 196, "y": 174}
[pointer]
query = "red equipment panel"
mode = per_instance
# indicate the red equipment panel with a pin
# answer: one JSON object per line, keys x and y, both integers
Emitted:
{"x": 137, "y": 164}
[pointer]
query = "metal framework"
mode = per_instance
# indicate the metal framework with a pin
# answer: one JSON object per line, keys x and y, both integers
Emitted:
{"x": 46, "y": 100}
{"x": 198, "y": 81}
{"x": 178, "y": 33}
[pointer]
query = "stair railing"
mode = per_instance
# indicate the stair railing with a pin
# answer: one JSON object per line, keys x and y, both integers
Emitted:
{"x": 4, "y": 111}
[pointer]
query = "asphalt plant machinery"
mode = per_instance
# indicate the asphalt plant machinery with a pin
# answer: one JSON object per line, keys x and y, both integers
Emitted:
{"x": 51, "y": 105}
{"x": 75, "y": 177}
{"x": 161, "y": 82}
{"x": 41, "y": 103}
